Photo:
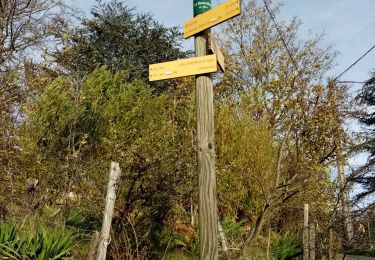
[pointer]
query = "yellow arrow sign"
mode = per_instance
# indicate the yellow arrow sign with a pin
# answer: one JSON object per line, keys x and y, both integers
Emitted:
{"x": 183, "y": 68}
{"x": 211, "y": 18}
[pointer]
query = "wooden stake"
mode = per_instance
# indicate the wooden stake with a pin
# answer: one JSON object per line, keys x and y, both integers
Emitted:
{"x": 108, "y": 212}
{"x": 344, "y": 199}
{"x": 312, "y": 240}
{"x": 208, "y": 238}
{"x": 224, "y": 242}
{"x": 306, "y": 232}
{"x": 330, "y": 249}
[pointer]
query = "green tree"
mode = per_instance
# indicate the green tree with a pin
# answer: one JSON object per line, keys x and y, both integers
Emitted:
{"x": 118, "y": 37}
{"x": 68, "y": 144}
{"x": 24, "y": 32}
{"x": 364, "y": 175}
{"x": 287, "y": 95}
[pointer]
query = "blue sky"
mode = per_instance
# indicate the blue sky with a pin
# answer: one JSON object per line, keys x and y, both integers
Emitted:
{"x": 349, "y": 25}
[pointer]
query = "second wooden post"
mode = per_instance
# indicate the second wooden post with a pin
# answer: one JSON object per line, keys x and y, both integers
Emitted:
{"x": 108, "y": 212}
{"x": 306, "y": 254}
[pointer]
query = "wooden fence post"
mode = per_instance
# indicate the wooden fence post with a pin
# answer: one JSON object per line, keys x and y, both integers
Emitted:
{"x": 312, "y": 240}
{"x": 306, "y": 232}
{"x": 349, "y": 230}
{"x": 224, "y": 242}
{"x": 108, "y": 212}
{"x": 330, "y": 246}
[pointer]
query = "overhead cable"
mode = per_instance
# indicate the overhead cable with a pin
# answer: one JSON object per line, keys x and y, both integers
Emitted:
{"x": 351, "y": 66}
{"x": 350, "y": 82}
{"x": 280, "y": 34}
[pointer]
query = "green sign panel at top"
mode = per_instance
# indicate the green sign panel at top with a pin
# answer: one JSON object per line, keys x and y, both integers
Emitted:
{"x": 201, "y": 6}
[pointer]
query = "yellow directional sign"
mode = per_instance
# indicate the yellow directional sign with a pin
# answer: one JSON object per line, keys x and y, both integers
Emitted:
{"x": 211, "y": 18}
{"x": 182, "y": 68}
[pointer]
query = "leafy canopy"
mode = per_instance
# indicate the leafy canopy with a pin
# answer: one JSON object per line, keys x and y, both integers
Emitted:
{"x": 118, "y": 37}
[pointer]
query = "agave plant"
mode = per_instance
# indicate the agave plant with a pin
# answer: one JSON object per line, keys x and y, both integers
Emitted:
{"x": 8, "y": 240}
{"x": 54, "y": 244}
{"x": 285, "y": 247}
{"x": 232, "y": 228}
{"x": 7, "y": 233}
{"x": 42, "y": 245}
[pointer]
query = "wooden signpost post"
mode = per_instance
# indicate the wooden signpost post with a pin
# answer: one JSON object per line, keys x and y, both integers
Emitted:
{"x": 208, "y": 246}
{"x": 202, "y": 65}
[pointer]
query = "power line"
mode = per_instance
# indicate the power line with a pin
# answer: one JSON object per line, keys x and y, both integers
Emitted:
{"x": 350, "y": 82}
{"x": 290, "y": 54}
{"x": 280, "y": 34}
{"x": 294, "y": 62}
{"x": 351, "y": 66}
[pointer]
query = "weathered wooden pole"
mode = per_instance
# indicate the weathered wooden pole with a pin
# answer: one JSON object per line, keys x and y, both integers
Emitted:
{"x": 108, "y": 212}
{"x": 312, "y": 240}
{"x": 208, "y": 237}
{"x": 344, "y": 198}
{"x": 306, "y": 232}
{"x": 223, "y": 239}
{"x": 330, "y": 246}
